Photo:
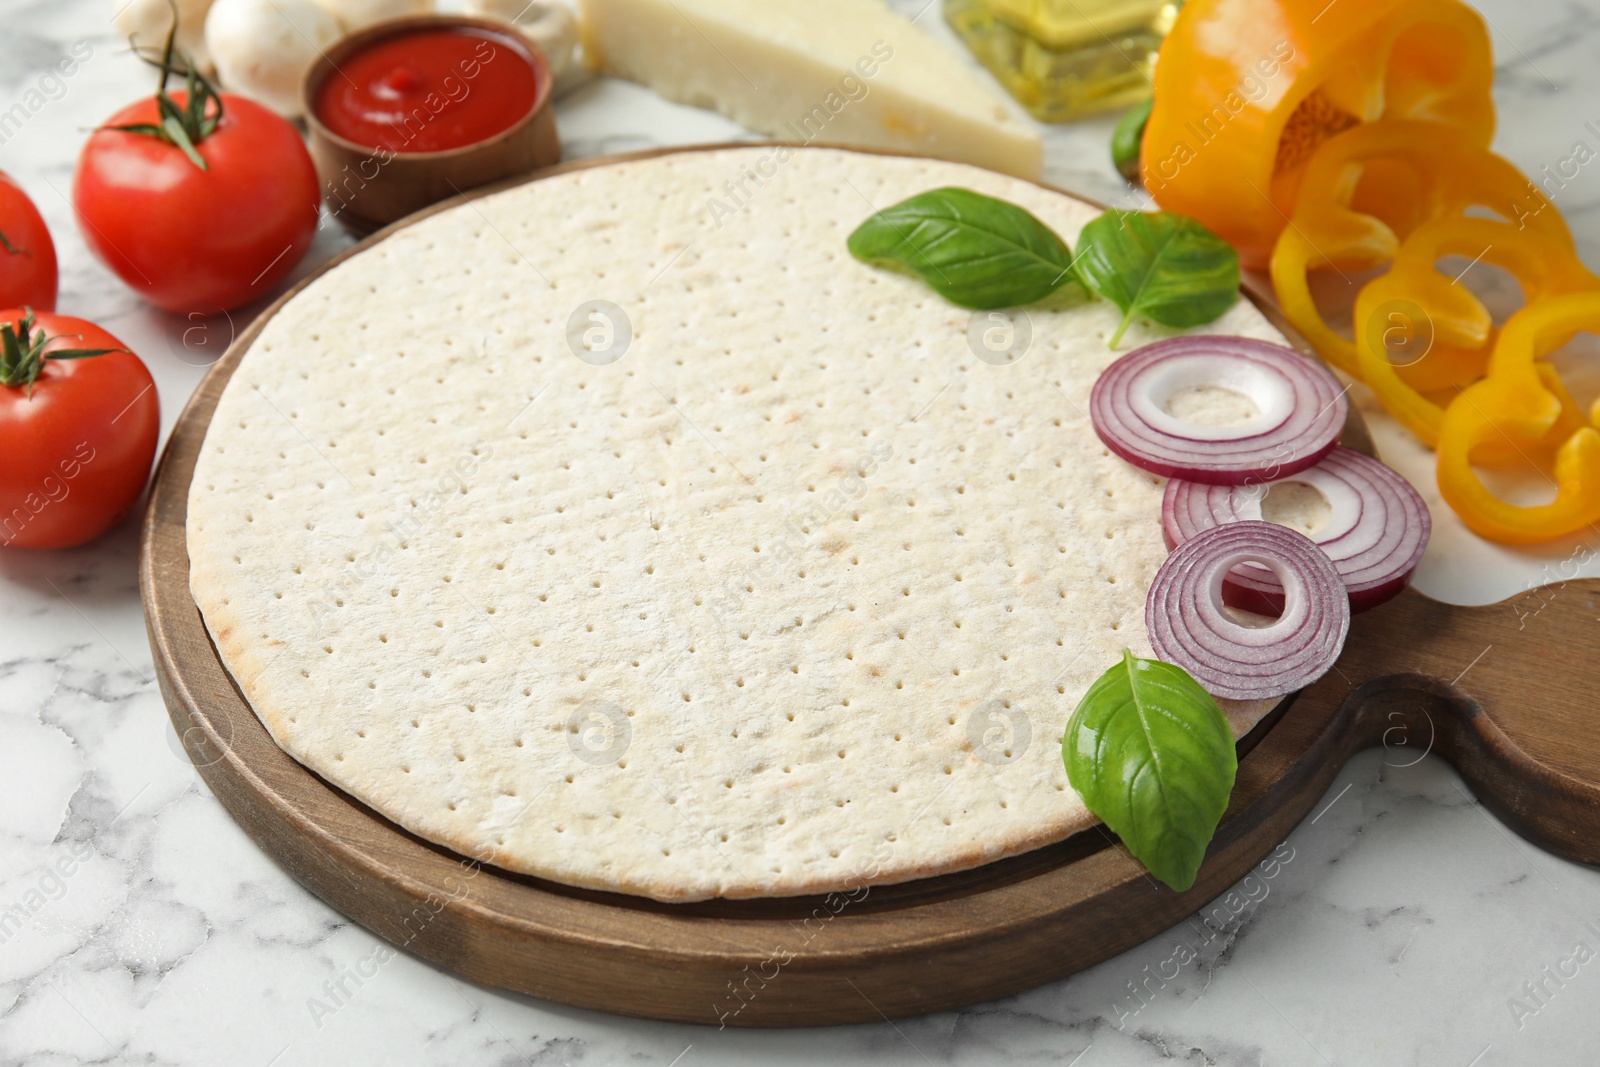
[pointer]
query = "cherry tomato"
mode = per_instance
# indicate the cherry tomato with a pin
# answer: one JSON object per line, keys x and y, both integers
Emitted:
{"x": 78, "y": 449}
{"x": 193, "y": 240}
{"x": 27, "y": 255}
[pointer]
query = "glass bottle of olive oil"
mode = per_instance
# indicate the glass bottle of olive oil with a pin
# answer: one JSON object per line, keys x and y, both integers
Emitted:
{"x": 1066, "y": 58}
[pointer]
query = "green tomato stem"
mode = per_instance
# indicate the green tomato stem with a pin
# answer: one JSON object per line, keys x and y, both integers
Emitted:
{"x": 182, "y": 127}
{"x": 23, "y": 352}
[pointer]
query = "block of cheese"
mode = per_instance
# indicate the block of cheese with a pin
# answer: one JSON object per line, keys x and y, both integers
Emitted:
{"x": 850, "y": 72}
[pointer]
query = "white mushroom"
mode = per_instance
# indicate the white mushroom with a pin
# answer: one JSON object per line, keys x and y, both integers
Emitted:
{"x": 356, "y": 15}
{"x": 263, "y": 48}
{"x": 146, "y": 23}
{"x": 550, "y": 25}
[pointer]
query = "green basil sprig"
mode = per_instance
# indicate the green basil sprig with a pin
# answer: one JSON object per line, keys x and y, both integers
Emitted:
{"x": 1151, "y": 754}
{"x": 974, "y": 250}
{"x": 983, "y": 253}
{"x": 1163, "y": 266}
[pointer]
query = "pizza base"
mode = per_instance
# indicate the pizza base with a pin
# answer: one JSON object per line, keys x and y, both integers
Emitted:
{"x": 794, "y": 595}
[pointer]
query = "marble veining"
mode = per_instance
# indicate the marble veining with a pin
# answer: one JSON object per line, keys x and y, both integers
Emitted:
{"x": 1400, "y": 925}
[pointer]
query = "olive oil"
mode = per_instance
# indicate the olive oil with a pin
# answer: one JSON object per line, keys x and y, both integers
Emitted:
{"x": 1066, "y": 58}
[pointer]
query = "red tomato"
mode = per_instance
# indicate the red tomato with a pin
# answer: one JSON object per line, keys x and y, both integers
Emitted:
{"x": 78, "y": 450}
{"x": 192, "y": 240}
{"x": 27, "y": 255}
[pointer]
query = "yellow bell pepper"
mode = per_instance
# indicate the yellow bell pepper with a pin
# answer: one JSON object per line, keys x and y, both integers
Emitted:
{"x": 1513, "y": 407}
{"x": 1448, "y": 330}
{"x": 1246, "y": 91}
{"x": 1428, "y": 172}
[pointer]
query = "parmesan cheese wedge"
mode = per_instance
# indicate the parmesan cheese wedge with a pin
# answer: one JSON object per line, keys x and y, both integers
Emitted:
{"x": 849, "y": 72}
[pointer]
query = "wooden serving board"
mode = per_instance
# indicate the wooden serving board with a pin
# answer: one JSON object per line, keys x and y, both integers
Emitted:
{"x": 1505, "y": 693}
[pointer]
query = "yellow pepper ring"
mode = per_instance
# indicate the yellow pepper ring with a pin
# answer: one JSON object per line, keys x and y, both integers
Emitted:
{"x": 1460, "y": 327}
{"x": 1452, "y": 175}
{"x": 1296, "y": 257}
{"x": 1444, "y": 326}
{"x": 1501, "y": 451}
{"x": 1247, "y": 91}
{"x": 1513, "y": 407}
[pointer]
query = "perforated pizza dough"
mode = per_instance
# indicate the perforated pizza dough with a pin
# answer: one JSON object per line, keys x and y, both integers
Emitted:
{"x": 779, "y": 588}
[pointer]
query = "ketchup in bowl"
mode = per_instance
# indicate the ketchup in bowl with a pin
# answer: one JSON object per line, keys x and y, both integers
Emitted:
{"x": 430, "y": 90}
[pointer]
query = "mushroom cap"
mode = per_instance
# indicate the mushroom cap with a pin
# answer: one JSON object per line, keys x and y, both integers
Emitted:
{"x": 356, "y": 15}
{"x": 263, "y": 48}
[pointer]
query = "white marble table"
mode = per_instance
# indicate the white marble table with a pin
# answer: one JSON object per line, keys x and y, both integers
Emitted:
{"x": 1404, "y": 924}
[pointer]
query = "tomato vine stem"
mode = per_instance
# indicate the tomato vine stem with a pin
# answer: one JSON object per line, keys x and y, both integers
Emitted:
{"x": 23, "y": 352}
{"x": 182, "y": 126}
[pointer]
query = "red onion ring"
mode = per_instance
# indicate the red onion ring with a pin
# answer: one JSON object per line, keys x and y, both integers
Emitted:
{"x": 1375, "y": 536}
{"x": 1188, "y": 626}
{"x": 1302, "y": 405}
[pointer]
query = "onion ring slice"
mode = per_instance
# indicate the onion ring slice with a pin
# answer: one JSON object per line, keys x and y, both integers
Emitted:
{"x": 1376, "y": 533}
{"x": 1301, "y": 405}
{"x": 1189, "y": 627}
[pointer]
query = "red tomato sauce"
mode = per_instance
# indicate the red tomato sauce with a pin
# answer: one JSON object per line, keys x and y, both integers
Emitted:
{"x": 428, "y": 91}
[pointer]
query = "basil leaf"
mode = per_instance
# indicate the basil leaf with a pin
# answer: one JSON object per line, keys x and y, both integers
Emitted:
{"x": 1151, "y": 754}
{"x": 1166, "y": 267}
{"x": 1127, "y": 140}
{"x": 974, "y": 250}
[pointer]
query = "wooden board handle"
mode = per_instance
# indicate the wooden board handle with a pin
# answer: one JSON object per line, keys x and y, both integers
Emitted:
{"x": 1508, "y": 693}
